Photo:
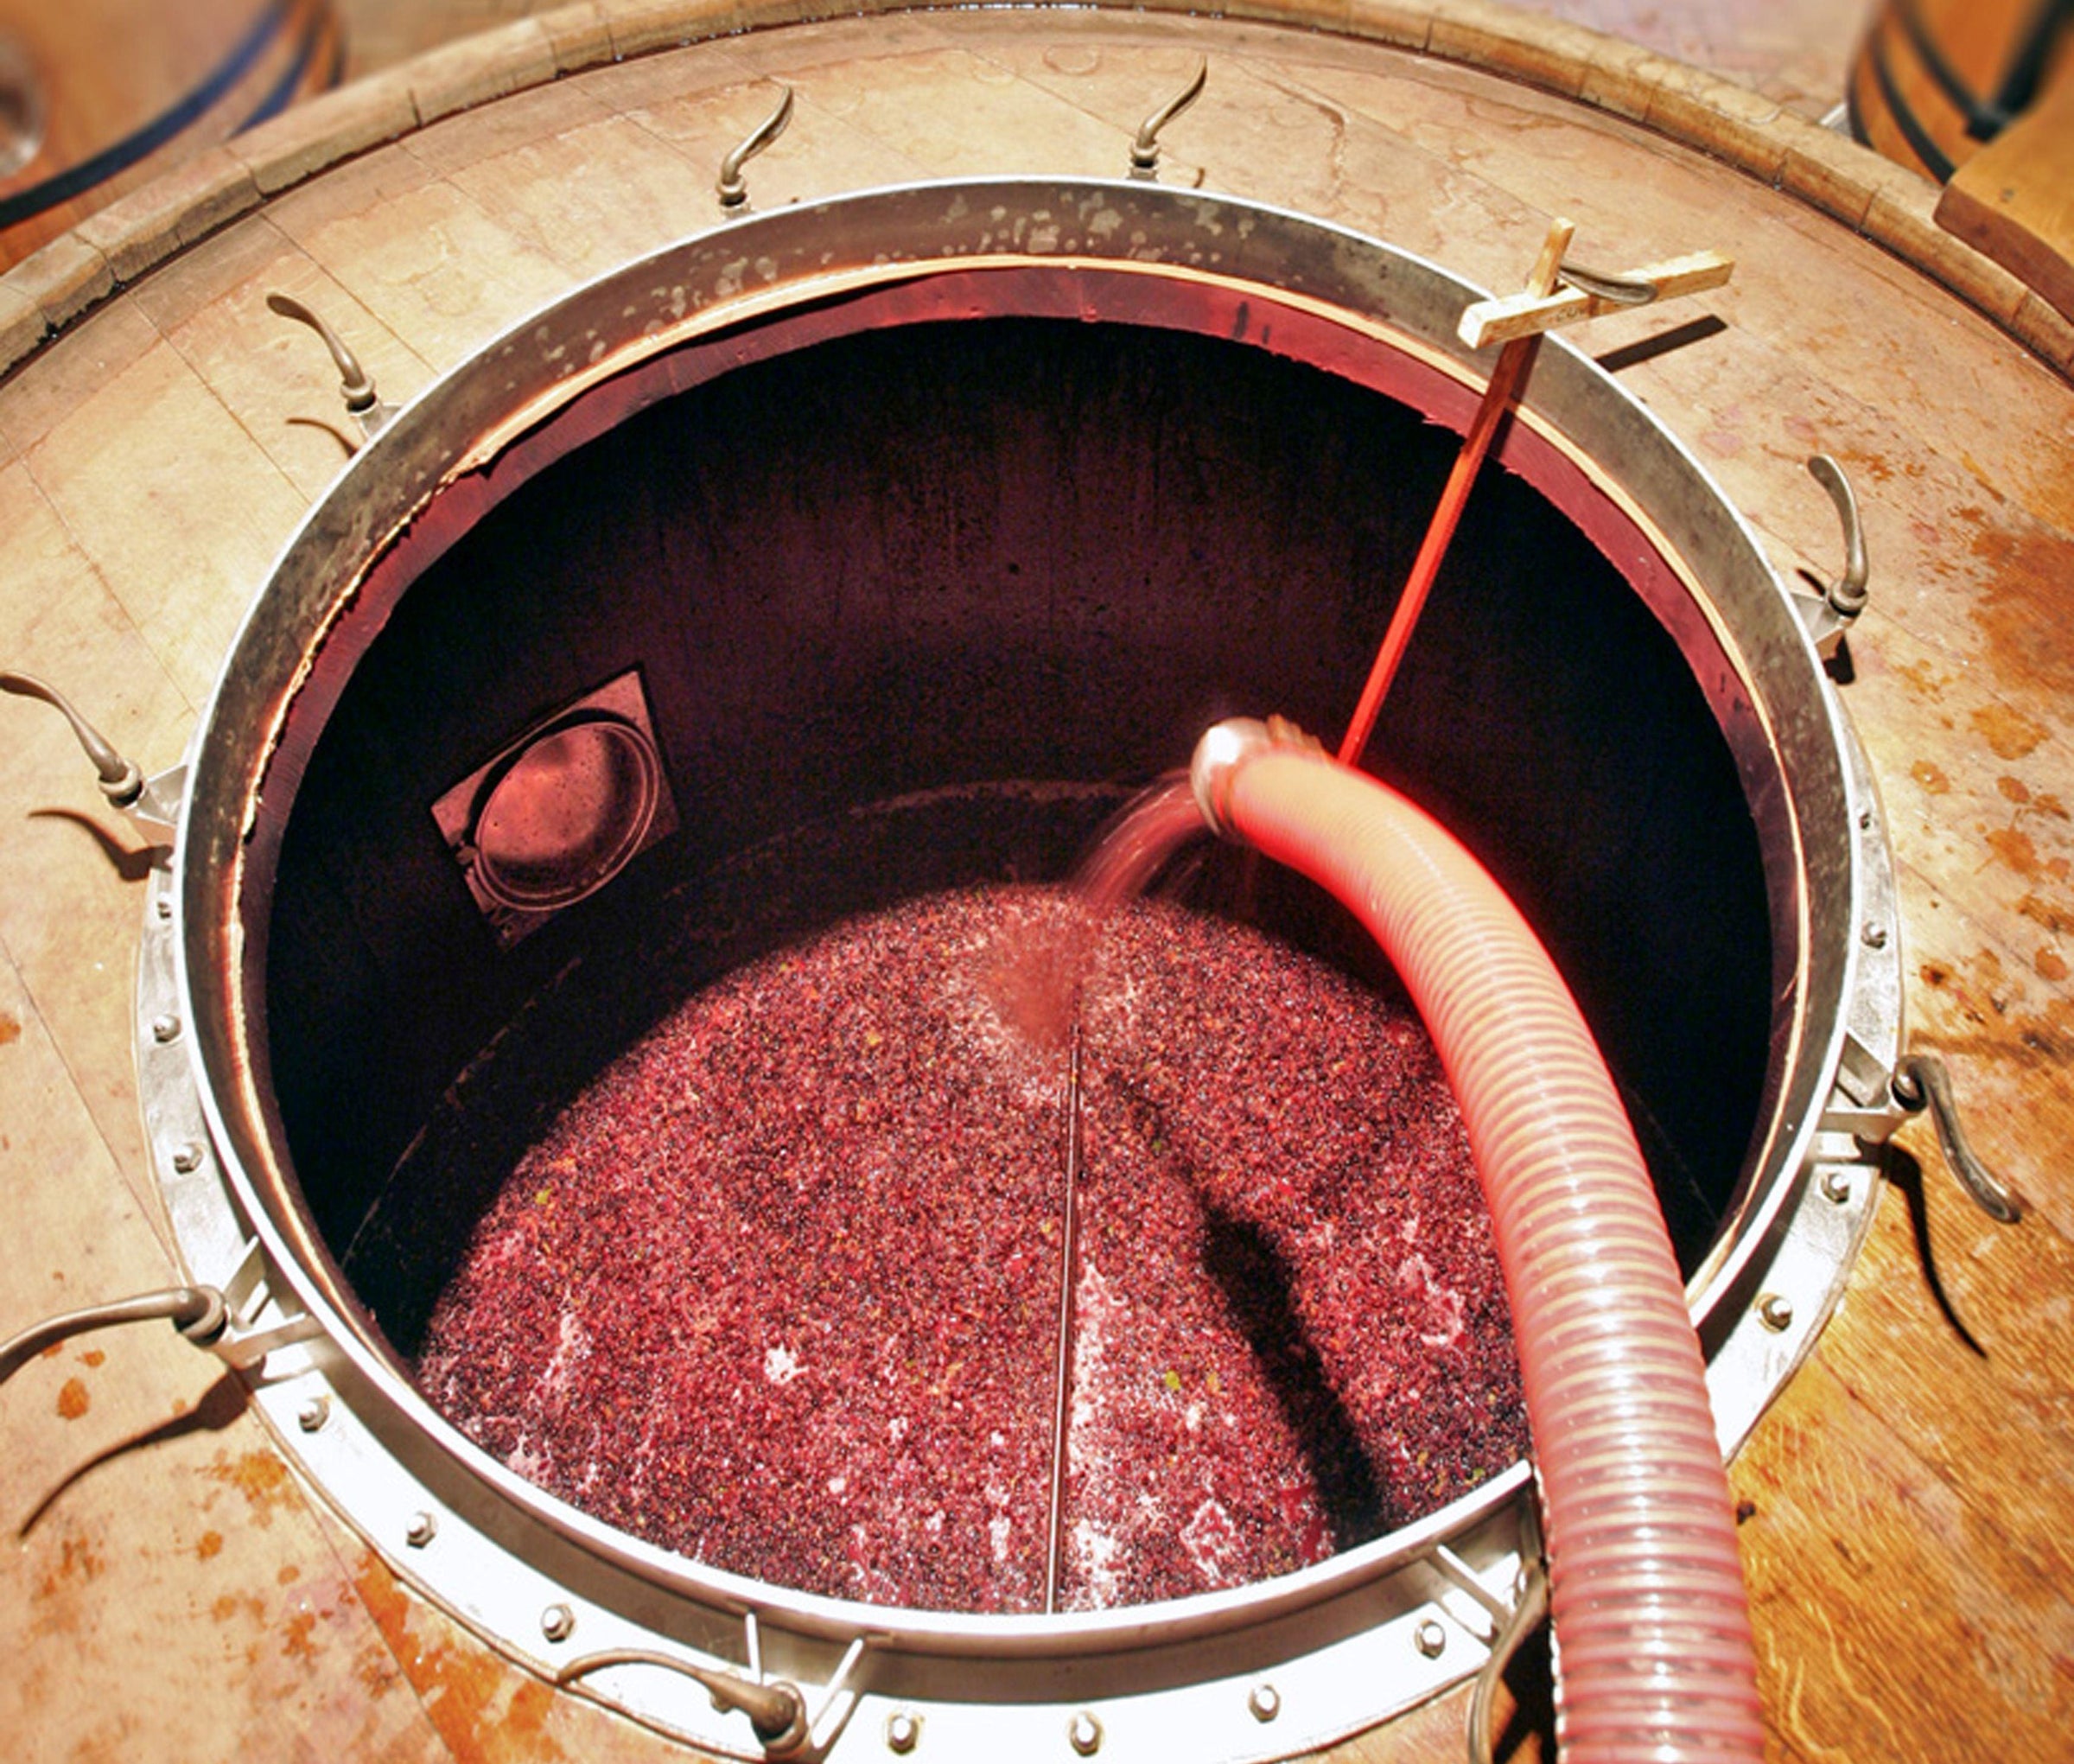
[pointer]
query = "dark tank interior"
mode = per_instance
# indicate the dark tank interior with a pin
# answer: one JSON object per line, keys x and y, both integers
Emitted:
{"x": 912, "y": 613}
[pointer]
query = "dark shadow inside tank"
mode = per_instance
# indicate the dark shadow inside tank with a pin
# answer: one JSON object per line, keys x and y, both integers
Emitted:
{"x": 915, "y": 608}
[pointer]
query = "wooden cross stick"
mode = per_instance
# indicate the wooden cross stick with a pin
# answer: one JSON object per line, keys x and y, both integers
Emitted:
{"x": 1497, "y": 395}
{"x": 1525, "y": 314}
{"x": 1517, "y": 321}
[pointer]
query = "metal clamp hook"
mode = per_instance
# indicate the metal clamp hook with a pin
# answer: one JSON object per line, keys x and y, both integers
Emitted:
{"x": 733, "y": 191}
{"x": 198, "y": 1312}
{"x": 1829, "y": 614}
{"x": 152, "y": 801}
{"x": 1145, "y": 150}
{"x": 356, "y": 385}
{"x": 1515, "y": 1624}
{"x": 1921, "y": 1081}
{"x": 776, "y": 1709}
{"x": 122, "y": 783}
{"x": 1847, "y": 595}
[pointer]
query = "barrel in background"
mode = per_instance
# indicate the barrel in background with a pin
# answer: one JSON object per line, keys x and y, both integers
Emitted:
{"x": 98, "y": 96}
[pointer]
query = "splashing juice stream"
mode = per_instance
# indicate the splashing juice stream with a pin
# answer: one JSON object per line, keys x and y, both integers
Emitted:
{"x": 1130, "y": 852}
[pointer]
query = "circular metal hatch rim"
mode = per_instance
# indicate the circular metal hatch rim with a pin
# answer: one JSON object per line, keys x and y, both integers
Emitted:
{"x": 1382, "y": 291}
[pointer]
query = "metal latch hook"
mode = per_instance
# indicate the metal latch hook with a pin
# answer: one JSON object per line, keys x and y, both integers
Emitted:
{"x": 151, "y": 801}
{"x": 1921, "y": 1081}
{"x": 198, "y": 1312}
{"x": 776, "y": 1710}
{"x": 732, "y": 189}
{"x": 1145, "y": 150}
{"x": 1846, "y": 593}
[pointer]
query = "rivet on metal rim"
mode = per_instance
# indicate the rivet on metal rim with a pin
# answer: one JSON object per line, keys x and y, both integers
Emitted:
{"x": 1775, "y": 1311}
{"x": 1836, "y": 1184}
{"x": 1874, "y": 934}
{"x": 165, "y": 1028}
{"x": 1083, "y": 1734}
{"x": 314, "y": 1414}
{"x": 1264, "y": 1703}
{"x": 421, "y": 1530}
{"x": 903, "y": 1731}
{"x": 557, "y": 1622}
{"x": 1430, "y": 1638}
{"x": 187, "y": 1157}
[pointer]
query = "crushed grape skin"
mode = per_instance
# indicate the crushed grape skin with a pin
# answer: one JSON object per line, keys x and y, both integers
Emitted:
{"x": 778, "y": 1292}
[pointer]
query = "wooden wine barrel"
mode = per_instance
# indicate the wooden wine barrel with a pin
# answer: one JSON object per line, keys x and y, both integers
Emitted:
{"x": 98, "y": 96}
{"x": 171, "y": 1591}
{"x": 1935, "y": 81}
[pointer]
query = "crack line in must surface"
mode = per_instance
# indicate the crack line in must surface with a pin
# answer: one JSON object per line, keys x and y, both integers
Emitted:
{"x": 1063, "y": 1372}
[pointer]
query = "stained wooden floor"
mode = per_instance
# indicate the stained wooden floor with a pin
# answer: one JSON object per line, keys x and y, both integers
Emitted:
{"x": 169, "y": 1590}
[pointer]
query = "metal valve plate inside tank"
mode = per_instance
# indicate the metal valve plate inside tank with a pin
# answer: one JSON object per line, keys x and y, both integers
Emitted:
{"x": 1161, "y": 336}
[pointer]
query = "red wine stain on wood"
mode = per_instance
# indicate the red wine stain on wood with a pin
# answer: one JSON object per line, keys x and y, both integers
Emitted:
{"x": 2020, "y": 852}
{"x": 78, "y": 1562}
{"x": 261, "y": 1478}
{"x": 296, "y": 1636}
{"x": 2041, "y": 909}
{"x": 2009, "y": 733}
{"x": 1985, "y": 1011}
{"x": 486, "y": 1712}
{"x": 2023, "y": 601}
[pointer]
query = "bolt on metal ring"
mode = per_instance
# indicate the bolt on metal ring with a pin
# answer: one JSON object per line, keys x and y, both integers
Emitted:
{"x": 903, "y": 1731}
{"x": 314, "y": 1414}
{"x": 1775, "y": 1311}
{"x": 1836, "y": 1185}
{"x": 421, "y": 1529}
{"x": 557, "y": 1622}
{"x": 187, "y": 1157}
{"x": 1264, "y": 1703}
{"x": 1083, "y": 1734}
{"x": 165, "y": 1028}
{"x": 1431, "y": 1639}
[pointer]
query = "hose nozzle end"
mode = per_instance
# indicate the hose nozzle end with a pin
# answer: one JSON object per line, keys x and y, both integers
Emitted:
{"x": 1224, "y": 748}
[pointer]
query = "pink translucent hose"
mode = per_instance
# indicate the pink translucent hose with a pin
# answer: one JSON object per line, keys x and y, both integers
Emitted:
{"x": 1654, "y": 1656}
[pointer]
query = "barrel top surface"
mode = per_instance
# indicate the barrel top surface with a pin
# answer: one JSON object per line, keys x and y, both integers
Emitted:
{"x": 175, "y": 1592}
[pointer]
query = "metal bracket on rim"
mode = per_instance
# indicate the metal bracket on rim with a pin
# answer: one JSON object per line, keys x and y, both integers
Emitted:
{"x": 245, "y": 1342}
